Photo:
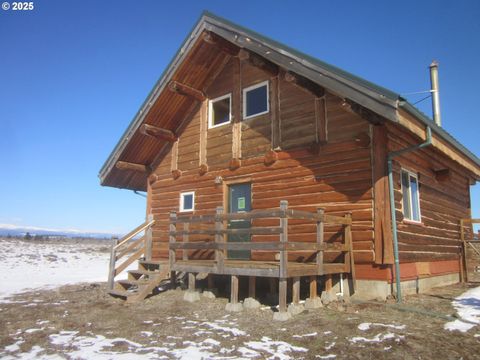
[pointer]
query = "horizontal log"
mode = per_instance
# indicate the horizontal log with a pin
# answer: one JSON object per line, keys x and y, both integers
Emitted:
{"x": 259, "y": 62}
{"x": 304, "y": 83}
{"x": 124, "y": 165}
{"x": 158, "y": 133}
{"x": 222, "y": 44}
{"x": 186, "y": 90}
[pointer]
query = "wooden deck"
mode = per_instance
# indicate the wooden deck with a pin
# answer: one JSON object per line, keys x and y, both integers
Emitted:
{"x": 258, "y": 268}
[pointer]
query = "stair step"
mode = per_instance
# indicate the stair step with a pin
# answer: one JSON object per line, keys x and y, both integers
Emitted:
{"x": 151, "y": 262}
{"x": 119, "y": 293}
{"x": 143, "y": 272}
{"x": 133, "y": 282}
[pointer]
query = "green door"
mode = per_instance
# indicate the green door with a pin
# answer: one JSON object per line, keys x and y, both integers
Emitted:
{"x": 239, "y": 201}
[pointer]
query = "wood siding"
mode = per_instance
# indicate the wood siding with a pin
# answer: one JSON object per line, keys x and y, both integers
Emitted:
{"x": 336, "y": 176}
{"x": 442, "y": 202}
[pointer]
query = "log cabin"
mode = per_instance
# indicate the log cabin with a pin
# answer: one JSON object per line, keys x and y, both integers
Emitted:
{"x": 259, "y": 161}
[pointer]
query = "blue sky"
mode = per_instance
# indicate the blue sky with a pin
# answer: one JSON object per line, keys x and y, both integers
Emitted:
{"x": 73, "y": 74}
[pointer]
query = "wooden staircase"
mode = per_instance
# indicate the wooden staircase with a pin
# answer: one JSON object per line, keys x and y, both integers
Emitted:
{"x": 141, "y": 282}
{"x": 149, "y": 274}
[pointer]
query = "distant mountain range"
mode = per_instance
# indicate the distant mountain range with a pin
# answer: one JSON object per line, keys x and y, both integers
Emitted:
{"x": 16, "y": 230}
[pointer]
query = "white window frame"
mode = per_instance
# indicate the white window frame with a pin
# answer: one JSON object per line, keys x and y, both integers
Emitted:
{"x": 182, "y": 201}
{"x": 415, "y": 176}
{"x": 210, "y": 110}
{"x": 244, "y": 97}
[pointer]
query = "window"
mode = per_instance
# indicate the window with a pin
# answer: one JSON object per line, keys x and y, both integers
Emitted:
{"x": 187, "y": 201}
{"x": 411, "y": 198}
{"x": 219, "y": 112}
{"x": 255, "y": 100}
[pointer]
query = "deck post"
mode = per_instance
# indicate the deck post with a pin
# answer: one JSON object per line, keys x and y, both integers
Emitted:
{"x": 328, "y": 283}
{"x": 191, "y": 282}
{"x": 172, "y": 240}
{"x": 148, "y": 239}
{"x": 111, "y": 268}
{"x": 234, "y": 290}
{"x": 283, "y": 239}
{"x": 252, "y": 282}
{"x": 219, "y": 239}
{"x": 282, "y": 295}
{"x": 282, "y": 314}
{"x": 313, "y": 287}
{"x": 313, "y": 301}
{"x": 234, "y": 305}
{"x": 296, "y": 290}
{"x": 320, "y": 238}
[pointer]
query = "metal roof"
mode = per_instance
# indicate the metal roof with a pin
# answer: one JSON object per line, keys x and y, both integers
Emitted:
{"x": 374, "y": 97}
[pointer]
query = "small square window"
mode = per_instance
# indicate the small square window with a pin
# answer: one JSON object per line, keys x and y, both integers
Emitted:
{"x": 411, "y": 196}
{"x": 219, "y": 111}
{"x": 187, "y": 201}
{"x": 255, "y": 100}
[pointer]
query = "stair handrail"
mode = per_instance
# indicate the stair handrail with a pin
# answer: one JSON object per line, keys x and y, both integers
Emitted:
{"x": 144, "y": 244}
{"x": 134, "y": 232}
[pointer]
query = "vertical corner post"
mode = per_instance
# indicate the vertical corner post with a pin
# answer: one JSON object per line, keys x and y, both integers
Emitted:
{"x": 349, "y": 244}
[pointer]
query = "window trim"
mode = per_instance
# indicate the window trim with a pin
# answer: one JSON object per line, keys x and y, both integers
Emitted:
{"x": 210, "y": 110}
{"x": 182, "y": 201}
{"x": 415, "y": 176}
{"x": 244, "y": 99}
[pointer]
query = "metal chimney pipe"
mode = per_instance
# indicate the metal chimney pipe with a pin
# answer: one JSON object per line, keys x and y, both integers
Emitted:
{"x": 435, "y": 93}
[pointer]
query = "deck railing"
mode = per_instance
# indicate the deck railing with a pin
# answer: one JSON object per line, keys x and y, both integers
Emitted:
{"x": 127, "y": 250}
{"x": 217, "y": 227}
{"x": 467, "y": 223}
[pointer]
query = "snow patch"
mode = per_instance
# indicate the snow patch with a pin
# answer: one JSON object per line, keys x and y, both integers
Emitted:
{"x": 366, "y": 326}
{"x": 377, "y": 338}
{"x": 48, "y": 265}
{"x": 468, "y": 309}
{"x": 278, "y": 349}
{"x": 305, "y": 335}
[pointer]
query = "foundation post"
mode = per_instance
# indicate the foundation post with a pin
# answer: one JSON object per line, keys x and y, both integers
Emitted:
{"x": 252, "y": 282}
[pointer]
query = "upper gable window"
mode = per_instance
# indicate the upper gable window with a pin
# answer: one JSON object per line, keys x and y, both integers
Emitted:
{"x": 219, "y": 111}
{"x": 255, "y": 100}
{"x": 411, "y": 197}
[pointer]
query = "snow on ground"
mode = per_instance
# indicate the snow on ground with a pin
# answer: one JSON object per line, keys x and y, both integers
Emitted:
{"x": 99, "y": 347}
{"x": 468, "y": 309}
{"x": 29, "y": 265}
{"x": 367, "y": 326}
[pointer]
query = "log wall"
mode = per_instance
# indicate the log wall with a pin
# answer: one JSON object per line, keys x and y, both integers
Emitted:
{"x": 443, "y": 202}
{"x": 336, "y": 175}
{"x": 342, "y": 173}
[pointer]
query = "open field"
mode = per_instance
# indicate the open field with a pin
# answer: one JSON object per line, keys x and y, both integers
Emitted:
{"x": 79, "y": 321}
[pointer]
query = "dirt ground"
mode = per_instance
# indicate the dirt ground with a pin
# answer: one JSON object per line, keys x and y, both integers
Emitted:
{"x": 82, "y": 321}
